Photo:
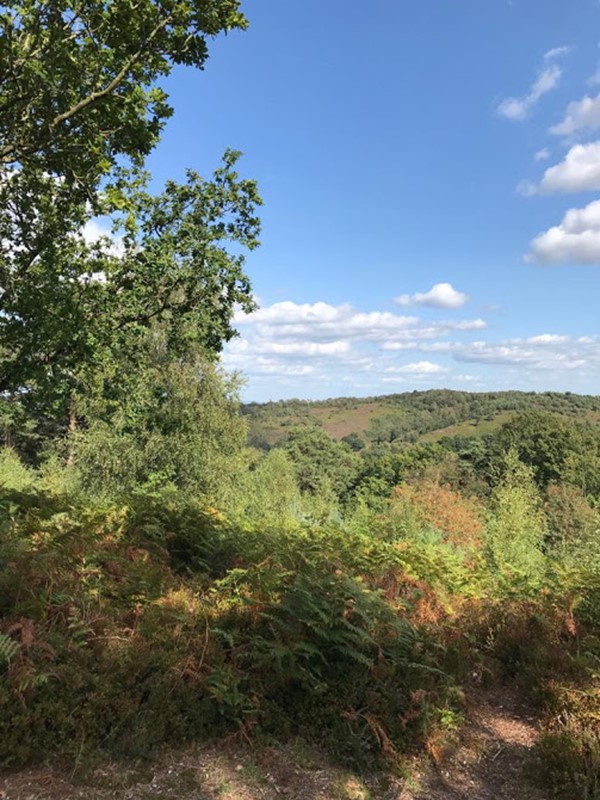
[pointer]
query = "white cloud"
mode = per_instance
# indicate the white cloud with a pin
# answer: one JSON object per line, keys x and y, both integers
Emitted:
{"x": 542, "y": 155}
{"x": 306, "y": 349}
{"x": 548, "y": 338}
{"x": 441, "y": 295}
{"x": 518, "y": 108}
{"x": 578, "y": 172}
{"x": 575, "y": 241}
{"x": 544, "y": 352}
{"x": 289, "y": 312}
{"x": 294, "y": 318}
{"x": 266, "y": 366}
{"x": 333, "y": 350}
{"x": 92, "y": 231}
{"x": 580, "y": 115}
{"x": 297, "y": 346}
{"x": 557, "y": 52}
{"x": 547, "y": 352}
{"x": 418, "y": 368}
{"x": 418, "y": 337}
{"x": 324, "y": 323}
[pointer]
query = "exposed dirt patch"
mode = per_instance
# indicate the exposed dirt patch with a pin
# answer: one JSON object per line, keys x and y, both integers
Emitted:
{"x": 492, "y": 759}
{"x": 294, "y": 772}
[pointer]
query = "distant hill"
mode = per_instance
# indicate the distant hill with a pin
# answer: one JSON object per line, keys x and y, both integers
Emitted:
{"x": 411, "y": 416}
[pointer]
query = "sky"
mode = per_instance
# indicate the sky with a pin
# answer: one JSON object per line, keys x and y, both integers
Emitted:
{"x": 431, "y": 182}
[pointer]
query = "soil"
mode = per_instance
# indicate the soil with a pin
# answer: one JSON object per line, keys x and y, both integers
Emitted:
{"x": 493, "y": 758}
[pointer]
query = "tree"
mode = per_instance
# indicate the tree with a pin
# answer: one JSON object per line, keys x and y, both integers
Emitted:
{"x": 515, "y": 525}
{"x": 89, "y": 306}
{"x": 457, "y": 519}
{"x": 573, "y": 526}
{"x": 79, "y": 104}
{"x": 321, "y": 463}
{"x": 80, "y": 109}
{"x": 543, "y": 441}
{"x": 354, "y": 441}
{"x": 175, "y": 423}
{"x": 267, "y": 492}
{"x": 79, "y": 81}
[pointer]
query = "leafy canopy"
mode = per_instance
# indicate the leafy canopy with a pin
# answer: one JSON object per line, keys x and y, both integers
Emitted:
{"x": 79, "y": 79}
{"x": 82, "y": 305}
{"x": 80, "y": 109}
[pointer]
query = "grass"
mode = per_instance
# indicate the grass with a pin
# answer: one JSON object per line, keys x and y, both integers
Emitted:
{"x": 340, "y": 422}
{"x": 469, "y": 428}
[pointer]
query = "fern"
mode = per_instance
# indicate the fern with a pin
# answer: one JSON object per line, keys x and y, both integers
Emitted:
{"x": 8, "y": 649}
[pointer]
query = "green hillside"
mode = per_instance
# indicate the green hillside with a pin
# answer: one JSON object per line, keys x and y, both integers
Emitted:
{"x": 411, "y": 416}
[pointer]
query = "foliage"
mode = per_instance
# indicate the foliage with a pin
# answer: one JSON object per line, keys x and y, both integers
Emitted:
{"x": 267, "y": 492}
{"x": 572, "y": 524}
{"x": 164, "y": 620}
{"x": 456, "y": 518}
{"x": 354, "y": 441}
{"x": 246, "y": 630}
{"x": 81, "y": 107}
{"x": 321, "y": 463}
{"x": 173, "y": 423}
{"x": 415, "y": 416}
{"x": 554, "y": 446}
{"x": 160, "y": 581}
{"x": 515, "y": 525}
{"x": 86, "y": 312}
{"x": 13, "y": 474}
{"x": 384, "y": 468}
{"x": 79, "y": 80}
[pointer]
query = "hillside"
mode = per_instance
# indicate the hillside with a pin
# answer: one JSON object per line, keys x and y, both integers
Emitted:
{"x": 411, "y": 416}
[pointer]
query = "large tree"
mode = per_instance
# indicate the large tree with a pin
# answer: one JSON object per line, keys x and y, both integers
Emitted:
{"x": 80, "y": 109}
{"x": 78, "y": 79}
{"x": 82, "y": 306}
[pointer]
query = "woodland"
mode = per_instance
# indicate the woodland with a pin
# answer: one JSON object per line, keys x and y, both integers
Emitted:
{"x": 178, "y": 567}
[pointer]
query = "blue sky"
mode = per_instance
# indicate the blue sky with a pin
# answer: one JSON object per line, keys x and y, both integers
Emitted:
{"x": 431, "y": 178}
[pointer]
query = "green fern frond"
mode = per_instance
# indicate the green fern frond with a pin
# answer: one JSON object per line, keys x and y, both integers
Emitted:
{"x": 8, "y": 649}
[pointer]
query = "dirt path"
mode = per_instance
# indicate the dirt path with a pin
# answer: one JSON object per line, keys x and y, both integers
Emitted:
{"x": 493, "y": 759}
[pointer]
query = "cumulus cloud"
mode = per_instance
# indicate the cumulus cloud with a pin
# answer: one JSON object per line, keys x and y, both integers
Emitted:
{"x": 322, "y": 322}
{"x": 546, "y": 352}
{"x": 548, "y": 338}
{"x": 297, "y": 349}
{"x": 418, "y": 337}
{"x": 273, "y": 367}
{"x": 580, "y": 115}
{"x": 288, "y": 343}
{"x": 579, "y": 171}
{"x": 548, "y": 78}
{"x": 323, "y": 350}
{"x": 576, "y": 240}
{"x": 418, "y": 368}
{"x": 441, "y": 295}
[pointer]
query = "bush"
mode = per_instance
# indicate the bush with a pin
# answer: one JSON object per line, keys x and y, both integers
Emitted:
{"x": 159, "y": 621}
{"x": 515, "y": 523}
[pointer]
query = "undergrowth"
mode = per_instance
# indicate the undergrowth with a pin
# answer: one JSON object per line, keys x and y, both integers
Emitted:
{"x": 123, "y": 628}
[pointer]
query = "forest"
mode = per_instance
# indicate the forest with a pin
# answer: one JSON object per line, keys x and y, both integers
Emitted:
{"x": 177, "y": 566}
